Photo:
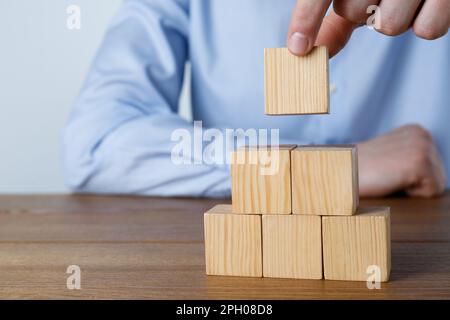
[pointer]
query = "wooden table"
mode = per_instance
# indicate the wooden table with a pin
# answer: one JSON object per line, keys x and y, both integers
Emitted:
{"x": 130, "y": 247}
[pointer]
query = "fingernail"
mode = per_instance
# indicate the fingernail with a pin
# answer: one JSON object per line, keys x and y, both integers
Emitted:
{"x": 298, "y": 44}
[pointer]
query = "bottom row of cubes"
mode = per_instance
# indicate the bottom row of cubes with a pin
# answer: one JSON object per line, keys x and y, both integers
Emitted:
{"x": 298, "y": 246}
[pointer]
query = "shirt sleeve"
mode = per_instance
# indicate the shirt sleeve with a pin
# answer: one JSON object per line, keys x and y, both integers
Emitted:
{"x": 118, "y": 137}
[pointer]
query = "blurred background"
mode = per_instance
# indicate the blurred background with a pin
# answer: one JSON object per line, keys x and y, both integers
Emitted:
{"x": 42, "y": 68}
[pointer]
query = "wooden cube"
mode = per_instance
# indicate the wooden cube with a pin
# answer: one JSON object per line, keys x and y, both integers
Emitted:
{"x": 352, "y": 244}
{"x": 261, "y": 180}
{"x": 232, "y": 243}
{"x": 296, "y": 85}
{"x": 324, "y": 180}
{"x": 292, "y": 246}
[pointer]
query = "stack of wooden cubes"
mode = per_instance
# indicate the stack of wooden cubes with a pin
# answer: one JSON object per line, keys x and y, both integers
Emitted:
{"x": 295, "y": 210}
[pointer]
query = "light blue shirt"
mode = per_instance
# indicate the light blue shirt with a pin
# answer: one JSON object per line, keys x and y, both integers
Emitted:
{"x": 118, "y": 137}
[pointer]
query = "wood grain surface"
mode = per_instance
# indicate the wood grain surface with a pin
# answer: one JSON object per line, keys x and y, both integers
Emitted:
{"x": 352, "y": 244}
{"x": 152, "y": 248}
{"x": 324, "y": 180}
{"x": 261, "y": 180}
{"x": 292, "y": 246}
{"x": 232, "y": 243}
{"x": 296, "y": 85}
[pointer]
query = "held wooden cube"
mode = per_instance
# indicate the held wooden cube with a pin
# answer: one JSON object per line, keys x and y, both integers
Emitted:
{"x": 355, "y": 246}
{"x": 324, "y": 180}
{"x": 296, "y": 85}
{"x": 261, "y": 180}
{"x": 292, "y": 246}
{"x": 232, "y": 243}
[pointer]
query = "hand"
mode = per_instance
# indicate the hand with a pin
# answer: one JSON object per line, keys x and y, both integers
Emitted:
{"x": 405, "y": 159}
{"x": 309, "y": 27}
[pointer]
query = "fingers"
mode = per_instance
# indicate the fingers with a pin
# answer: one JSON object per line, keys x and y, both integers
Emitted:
{"x": 305, "y": 23}
{"x": 335, "y": 33}
{"x": 428, "y": 173}
{"x": 433, "y": 20}
{"x": 396, "y": 17}
{"x": 308, "y": 26}
{"x": 431, "y": 176}
{"x": 354, "y": 10}
{"x": 405, "y": 159}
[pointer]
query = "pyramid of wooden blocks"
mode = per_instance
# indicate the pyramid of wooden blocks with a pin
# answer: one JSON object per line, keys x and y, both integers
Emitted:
{"x": 296, "y": 85}
{"x": 322, "y": 235}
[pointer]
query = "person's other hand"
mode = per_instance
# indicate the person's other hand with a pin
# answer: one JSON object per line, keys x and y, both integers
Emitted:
{"x": 405, "y": 159}
{"x": 429, "y": 19}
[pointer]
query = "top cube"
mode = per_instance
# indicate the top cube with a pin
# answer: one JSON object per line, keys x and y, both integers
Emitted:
{"x": 296, "y": 85}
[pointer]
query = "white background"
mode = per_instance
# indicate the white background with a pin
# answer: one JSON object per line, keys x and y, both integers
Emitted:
{"x": 42, "y": 67}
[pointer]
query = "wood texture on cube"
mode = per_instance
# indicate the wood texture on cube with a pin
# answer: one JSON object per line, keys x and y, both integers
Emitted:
{"x": 261, "y": 180}
{"x": 296, "y": 85}
{"x": 325, "y": 180}
{"x": 232, "y": 243}
{"x": 351, "y": 244}
{"x": 292, "y": 246}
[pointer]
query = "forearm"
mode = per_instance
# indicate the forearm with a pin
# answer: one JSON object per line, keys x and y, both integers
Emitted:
{"x": 117, "y": 139}
{"x": 136, "y": 158}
